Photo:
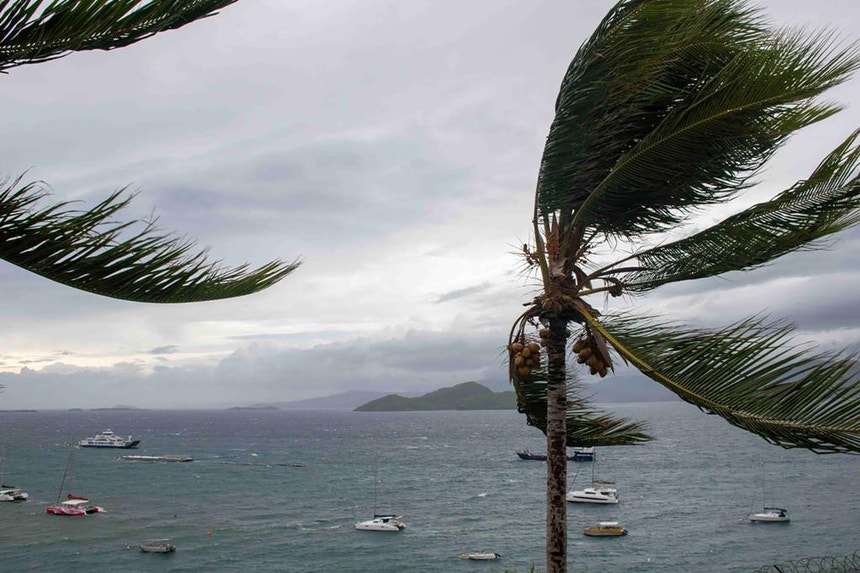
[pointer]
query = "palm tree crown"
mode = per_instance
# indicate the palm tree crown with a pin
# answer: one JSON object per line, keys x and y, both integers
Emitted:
{"x": 671, "y": 107}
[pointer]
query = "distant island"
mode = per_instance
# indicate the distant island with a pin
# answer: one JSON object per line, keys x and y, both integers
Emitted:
{"x": 465, "y": 396}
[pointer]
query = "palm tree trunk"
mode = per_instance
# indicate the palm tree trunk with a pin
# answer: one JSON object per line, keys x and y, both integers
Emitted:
{"x": 556, "y": 453}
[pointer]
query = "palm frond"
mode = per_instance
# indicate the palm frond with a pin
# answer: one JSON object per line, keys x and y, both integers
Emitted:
{"x": 674, "y": 104}
{"x": 33, "y": 31}
{"x": 827, "y": 202}
{"x": 586, "y": 426}
{"x": 88, "y": 251}
{"x": 751, "y": 374}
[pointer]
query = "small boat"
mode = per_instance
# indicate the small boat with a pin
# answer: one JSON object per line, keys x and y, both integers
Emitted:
{"x": 10, "y": 493}
{"x": 167, "y": 458}
{"x": 605, "y": 529}
{"x": 157, "y": 546}
{"x": 593, "y": 495}
{"x": 599, "y": 492}
{"x": 529, "y": 455}
{"x": 382, "y": 523}
{"x": 583, "y": 454}
{"x": 480, "y": 556}
{"x": 770, "y": 514}
{"x": 108, "y": 439}
{"x": 74, "y": 507}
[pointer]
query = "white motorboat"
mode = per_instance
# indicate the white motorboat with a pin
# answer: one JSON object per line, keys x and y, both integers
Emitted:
{"x": 9, "y": 493}
{"x": 593, "y": 495}
{"x": 773, "y": 514}
{"x": 382, "y": 523}
{"x": 481, "y": 556}
{"x": 108, "y": 439}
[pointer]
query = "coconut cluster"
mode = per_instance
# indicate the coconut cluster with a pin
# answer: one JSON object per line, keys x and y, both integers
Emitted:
{"x": 587, "y": 352}
{"x": 525, "y": 357}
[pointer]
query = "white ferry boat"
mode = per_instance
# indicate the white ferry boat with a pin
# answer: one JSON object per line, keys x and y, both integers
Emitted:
{"x": 108, "y": 439}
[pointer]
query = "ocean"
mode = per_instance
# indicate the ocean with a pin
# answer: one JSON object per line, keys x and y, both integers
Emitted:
{"x": 281, "y": 490}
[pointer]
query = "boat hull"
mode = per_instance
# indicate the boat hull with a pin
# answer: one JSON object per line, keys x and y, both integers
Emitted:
{"x": 601, "y": 532}
{"x": 605, "y": 529}
{"x": 127, "y": 446}
{"x": 157, "y": 547}
{"x": 593, "y": 496}
{"x": 769, "y": 518}
{"x": 73, "y": 511}
{"x": 381, "y": 523}
{"x": 480, "y": 556}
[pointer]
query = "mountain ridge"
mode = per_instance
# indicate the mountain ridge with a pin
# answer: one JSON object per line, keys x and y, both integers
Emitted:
{"x": 464, "y": 396}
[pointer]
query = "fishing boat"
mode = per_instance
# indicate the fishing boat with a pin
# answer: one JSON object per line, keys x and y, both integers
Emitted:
{"x": 605, "y": 529}
{"x": 768, "y": 514}
{"x": 73, "y": 505}
{"x": 108, "y": 439}
{"x": 480, "y": 556}
{"x": 157, "y": 546}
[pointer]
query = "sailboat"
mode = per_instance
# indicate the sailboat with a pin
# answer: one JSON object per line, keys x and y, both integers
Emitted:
{"x": 73, "y": 505}
{"x": 9, "y": 492}
{"x": 768, "y": 514}
{"x": 599, "y": 492}
{"x": 380, "y": 521}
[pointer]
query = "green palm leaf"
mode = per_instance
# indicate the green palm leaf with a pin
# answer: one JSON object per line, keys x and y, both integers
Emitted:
{"x": 34, "y": 31}
{"x": 827, "y": 202}
{"x": 751, "y": 374}
{"x": 666, "y": 108}
{"x": 88, "y": 251}
{"x": 585, "y": 425}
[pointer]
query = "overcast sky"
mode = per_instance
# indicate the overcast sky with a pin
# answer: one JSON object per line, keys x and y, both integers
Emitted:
{"x": 392, "y": 146}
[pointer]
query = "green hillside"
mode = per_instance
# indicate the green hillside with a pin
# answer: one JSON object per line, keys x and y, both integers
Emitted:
{"x": 465, "y": 396}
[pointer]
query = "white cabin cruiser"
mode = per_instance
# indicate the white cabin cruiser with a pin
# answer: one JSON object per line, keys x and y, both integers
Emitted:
{"x": 382, "y": 523}
{"x": 593, "y": 495}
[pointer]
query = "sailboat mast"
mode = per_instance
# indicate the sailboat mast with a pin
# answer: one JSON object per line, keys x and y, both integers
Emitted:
{"x": 65, "y": 473}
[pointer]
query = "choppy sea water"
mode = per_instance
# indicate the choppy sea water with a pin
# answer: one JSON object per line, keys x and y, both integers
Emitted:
{"x": 281, "y": 490}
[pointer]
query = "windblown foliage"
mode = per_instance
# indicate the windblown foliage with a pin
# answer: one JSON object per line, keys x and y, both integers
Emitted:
{"x": 86, "y": 249}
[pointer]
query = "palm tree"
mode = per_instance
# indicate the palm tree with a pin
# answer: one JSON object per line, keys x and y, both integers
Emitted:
{"x": 670, "y": 107}
{"x": 88, "y": 249}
